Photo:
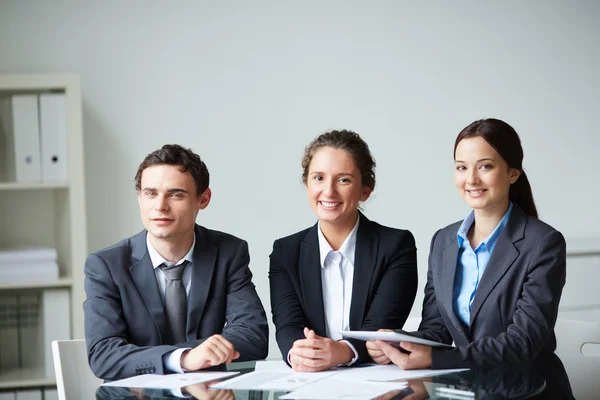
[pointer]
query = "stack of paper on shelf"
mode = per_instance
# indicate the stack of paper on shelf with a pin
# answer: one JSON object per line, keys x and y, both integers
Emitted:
{"x": 28, "y": 264}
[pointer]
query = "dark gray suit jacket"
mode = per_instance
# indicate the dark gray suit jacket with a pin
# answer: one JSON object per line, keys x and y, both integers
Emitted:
{"x": 515, "y": 306}
{"x": 383, "y": 290}
{"x": 125, "y": 322}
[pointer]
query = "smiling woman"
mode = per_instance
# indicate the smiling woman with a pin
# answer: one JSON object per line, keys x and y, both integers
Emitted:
{"x": 495, "y": 279}
{"x": 345, "y": 272}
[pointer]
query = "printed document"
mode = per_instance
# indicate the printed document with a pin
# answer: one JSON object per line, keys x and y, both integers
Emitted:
{"x": 171, "y": 381}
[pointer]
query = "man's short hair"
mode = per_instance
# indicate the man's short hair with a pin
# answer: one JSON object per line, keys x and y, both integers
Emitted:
{"x": 185, "y": 159}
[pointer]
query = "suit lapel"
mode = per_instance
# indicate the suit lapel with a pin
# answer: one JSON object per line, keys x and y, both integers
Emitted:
{"x": 144, "y": 278}
{"x": 310, "y": 280}
{"x": 203, "y": 266}
{"x": 504, "y": 255}
{"x": 448, "y": 275}
{"x": 365, "y": 257}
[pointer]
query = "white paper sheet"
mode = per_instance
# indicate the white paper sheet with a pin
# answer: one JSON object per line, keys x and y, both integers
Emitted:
{"x": 390, "y": 372}
{"x": 171, "y": 381}
{"x": 343, "y": 389}
{"x": 266, "y": 380}
{"x": 272, "y": 366}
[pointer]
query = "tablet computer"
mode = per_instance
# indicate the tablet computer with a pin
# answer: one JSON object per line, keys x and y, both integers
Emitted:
{"x": 392, "y": 337}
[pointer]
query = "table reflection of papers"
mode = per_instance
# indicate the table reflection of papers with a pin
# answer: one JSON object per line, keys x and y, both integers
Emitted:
{"x": 342, "y": 389}
{"x": 390, "y": 372}
{"x": 362, "y": 382}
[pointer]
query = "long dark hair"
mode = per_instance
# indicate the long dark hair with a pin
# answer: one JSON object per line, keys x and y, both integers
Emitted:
{"x": 505, "y": 140}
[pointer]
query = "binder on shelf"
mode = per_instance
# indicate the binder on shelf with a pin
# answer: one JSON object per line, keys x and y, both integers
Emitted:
{"x": 50, "y": 394}
{"x": 30, "y": 333}
{"x": 56, "y": 323}
{"x": 53, "y": 134}
{"x": 9, "y": 333}
{"x": 35, "y": 394}
{"x": 20, "y": 139}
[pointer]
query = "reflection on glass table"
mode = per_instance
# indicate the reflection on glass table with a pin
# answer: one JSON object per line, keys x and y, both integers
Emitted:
{"x": 512, "y": 383}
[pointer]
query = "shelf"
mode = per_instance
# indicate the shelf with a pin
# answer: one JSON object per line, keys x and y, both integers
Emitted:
{"x": 62, "y": 282}
{"x": 24, "y": 378}
{"x": 33, "y": 185}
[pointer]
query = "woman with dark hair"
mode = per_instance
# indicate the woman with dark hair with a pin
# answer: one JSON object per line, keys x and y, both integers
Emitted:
{"x": 345, "y": 272}
{"x": 495, "y": 279}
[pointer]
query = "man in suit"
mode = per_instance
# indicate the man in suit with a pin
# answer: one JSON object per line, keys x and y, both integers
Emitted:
{"x": 177, "y": 296}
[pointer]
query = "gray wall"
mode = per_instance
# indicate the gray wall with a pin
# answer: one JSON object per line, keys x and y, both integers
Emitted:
{"x": 249, "y": 84}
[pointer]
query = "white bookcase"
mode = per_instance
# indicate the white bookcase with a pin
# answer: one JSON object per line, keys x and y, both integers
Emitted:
{"x": 50, "y": 214}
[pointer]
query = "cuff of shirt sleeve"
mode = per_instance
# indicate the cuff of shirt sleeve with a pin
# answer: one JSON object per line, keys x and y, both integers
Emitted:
{"x": 172, "y": 360}
{"x": 353, "y": 350}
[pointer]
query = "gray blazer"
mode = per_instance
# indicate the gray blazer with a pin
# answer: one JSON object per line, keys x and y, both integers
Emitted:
{"x": 515, "y": 306}
{"x": 125, "y": 322}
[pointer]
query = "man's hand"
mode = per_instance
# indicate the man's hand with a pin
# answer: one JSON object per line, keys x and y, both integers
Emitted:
{"x": 213, "y": 351}
{"x": 419, "y": 391}
{"x": 375, "y": 351}
{"x": 419, "y": 357}
{"x": 316, "y": 353}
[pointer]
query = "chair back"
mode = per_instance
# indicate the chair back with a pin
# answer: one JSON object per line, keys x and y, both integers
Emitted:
{"x": 74, "y": 378}
{"x": 412, "y": 324}
{"x": 578, "y": 346}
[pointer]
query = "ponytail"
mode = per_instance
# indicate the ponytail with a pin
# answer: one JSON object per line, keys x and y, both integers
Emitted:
{"x": 520, "y": 193}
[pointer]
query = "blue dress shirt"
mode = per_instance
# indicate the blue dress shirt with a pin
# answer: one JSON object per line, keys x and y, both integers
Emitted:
{"x": 471, "y": 264}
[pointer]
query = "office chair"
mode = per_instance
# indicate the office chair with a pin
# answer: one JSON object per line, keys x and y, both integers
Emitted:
{"x": 578, "y": 346}
{"x": 411, "y": 324}
{"x": 74, "y": 378}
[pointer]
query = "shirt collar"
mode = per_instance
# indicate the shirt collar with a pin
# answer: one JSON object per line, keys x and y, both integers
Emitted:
{"x": 490, "y": 241}
{"x": 347, "y": 248}
{"x": 158, "y": 260}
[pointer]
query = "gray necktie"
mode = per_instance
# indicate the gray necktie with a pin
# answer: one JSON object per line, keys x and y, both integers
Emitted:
{"x": 175, "y": 301}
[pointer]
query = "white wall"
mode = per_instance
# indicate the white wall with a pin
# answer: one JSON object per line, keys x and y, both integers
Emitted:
{"x": 248, "y": 84}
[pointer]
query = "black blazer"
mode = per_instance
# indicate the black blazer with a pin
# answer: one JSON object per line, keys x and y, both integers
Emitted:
{"x": 125, "y": 321}
{"x": 515, "y": 306}
{"x": 383, "y": 291}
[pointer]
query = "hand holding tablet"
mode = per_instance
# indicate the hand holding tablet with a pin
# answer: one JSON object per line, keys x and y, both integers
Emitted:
{"x": 392, "y": 337}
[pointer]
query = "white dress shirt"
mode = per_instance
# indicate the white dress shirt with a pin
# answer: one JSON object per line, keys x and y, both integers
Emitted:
{"x": 337, "y": 276}
{"x": 172, "y": 360}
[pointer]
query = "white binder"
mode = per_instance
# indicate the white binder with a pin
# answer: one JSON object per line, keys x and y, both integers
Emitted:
{"x": 9, "y": 333}
{"x": 20, "y": 139}
{"x": 50, "y": 394}
{"x": 30, "y": 331}
{"x": 56, "y": 322}
{"x": 53, "y": 133}
{"x": 32, "y": 394}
